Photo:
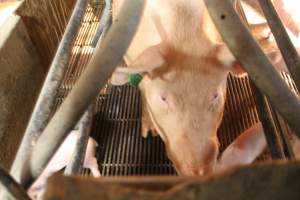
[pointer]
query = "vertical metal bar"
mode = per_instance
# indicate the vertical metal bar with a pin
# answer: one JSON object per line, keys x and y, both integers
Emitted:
{"x": 102, "y": 64}
{"x": 279, "y": 136}
{"x": 11, "y": 187}
{"x": 45, "y": 102}
{"x": 78, "y": 156}
{"x": 105, "y": 22}
{"x": 287, "y": 49}
{"x": 268, "y": 125}
{"x": 282, "y": 130}
{"x": 248, "y": 52}
{"x": 275, "y": 136}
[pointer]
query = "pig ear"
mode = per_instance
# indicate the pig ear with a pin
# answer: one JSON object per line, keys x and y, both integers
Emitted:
{"x": 149, "y": 60}
{"x": 244, "y": 150}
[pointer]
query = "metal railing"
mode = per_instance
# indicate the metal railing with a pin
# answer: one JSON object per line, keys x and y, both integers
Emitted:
{"x": 248, "y": 52}
{"x": 31, "y": 160}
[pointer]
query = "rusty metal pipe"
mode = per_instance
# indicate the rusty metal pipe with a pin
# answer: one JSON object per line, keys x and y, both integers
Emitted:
{"x": 78, "y": 155}
{"x": 285, "y": 45}
{"x": 46, "y": 99}
{"x": 255, "y": 62}
{"x": 106, "y": 57}
{"x": 11, "y": 187}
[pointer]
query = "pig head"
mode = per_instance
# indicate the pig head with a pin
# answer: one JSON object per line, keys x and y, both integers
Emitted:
{"x": 184, "y": 67}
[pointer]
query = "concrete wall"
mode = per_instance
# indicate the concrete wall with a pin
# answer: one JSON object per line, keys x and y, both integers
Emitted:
{"x": 21, "y": 76}
{"x": 28, "y": 42}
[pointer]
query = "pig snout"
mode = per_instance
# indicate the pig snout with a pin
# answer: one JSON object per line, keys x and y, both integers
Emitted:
{"x": 194, "y": 158}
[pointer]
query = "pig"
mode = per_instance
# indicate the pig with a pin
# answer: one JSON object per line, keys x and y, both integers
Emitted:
{"x": 184, "y": 65}
{"x": 247, "y": 147}
{"x": 61, "y": 158}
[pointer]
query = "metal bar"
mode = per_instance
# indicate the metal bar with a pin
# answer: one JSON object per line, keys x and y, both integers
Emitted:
{"x": 247, "y": 51}
{"x": 282, "y": 130}
{"x": 78, "y": 156}
{"x": 11, "y": 187}
{"x": 286, "y": 47}
{"x": 106, "y": 57}
{"x": 45, "y": 102}
{"x": 268, "y": 125}
{"x": 105, "y": 22}
{"x": 272, "y": 129}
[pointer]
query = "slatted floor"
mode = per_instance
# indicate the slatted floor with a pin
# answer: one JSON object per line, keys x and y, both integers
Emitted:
{"x": 117, "y": 118}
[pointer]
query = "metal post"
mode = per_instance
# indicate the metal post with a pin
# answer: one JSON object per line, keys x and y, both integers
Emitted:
{"x": 11, "y": 187}
{"x": 282, "y": 130}
{"x": 286, "y": 47}
{"x": 268, "y": 125}
{"x": 247, "y": 51}
{"x": 77, "y": 159}
{"x": 45, "y": 102}
{"x": 105, "y": 22}
{"x": 100, "y": 68}
{"x": 275, "y": 135}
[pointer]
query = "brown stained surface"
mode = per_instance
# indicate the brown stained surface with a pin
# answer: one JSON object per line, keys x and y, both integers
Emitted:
{"x": 46, "y": 22}
{"x": 25, "y": 56}
{"x": 20, "y": 81}
{"x": 270, "y": 181}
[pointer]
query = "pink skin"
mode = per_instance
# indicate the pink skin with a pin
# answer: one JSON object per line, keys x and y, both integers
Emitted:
{"x": 61, "y": 159}
{"x": 184, "y": 65}
{"x": 247, "y": 147}
{"x": 184, "y": 114}
{"x": 244, "y": 150}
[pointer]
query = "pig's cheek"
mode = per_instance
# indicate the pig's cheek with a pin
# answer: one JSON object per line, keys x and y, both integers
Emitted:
{"x": 159, "y": 104}
{"x": 216, "y": 102}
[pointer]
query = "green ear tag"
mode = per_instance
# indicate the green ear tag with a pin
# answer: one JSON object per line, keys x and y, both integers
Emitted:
{"x": 135, "y": 79}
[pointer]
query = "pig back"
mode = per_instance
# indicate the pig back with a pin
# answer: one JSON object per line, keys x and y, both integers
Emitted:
{"x": 146, "y": 34}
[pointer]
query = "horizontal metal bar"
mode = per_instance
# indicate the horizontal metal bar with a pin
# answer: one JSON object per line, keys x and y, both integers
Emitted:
{"x": 11, "y": 187}
{"x": 247, "y": 51}
{"x": 287, "y": 49}
{"x": 78, "y": 155}
{"x": 106, "y": 57}
{"x": 45, "y": 102}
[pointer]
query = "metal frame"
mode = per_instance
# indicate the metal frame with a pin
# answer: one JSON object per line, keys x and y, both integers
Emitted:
{"x": 275, "y": 134}
{"x": 46, "y": 99}
{"x": 106, "y": 57}
{"x": 247, "y": 51}
{"x": 286, "y": 47}
{"x": 105, "y": 22}
{"x": 78, "y": 155}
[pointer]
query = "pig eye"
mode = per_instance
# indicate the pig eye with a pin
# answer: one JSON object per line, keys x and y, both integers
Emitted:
{"x": 164, "y": 101}
{"x": 215, "y": 99}
{"x": 216, "y": 95}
